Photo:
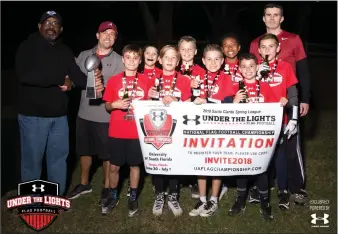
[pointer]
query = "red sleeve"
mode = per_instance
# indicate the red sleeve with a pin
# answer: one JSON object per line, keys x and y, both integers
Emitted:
{"x": 254, "y": 48}
{"x": 110, "y": 93}
{"x": 299, "y": 49}
{"x": 291, "y": 78}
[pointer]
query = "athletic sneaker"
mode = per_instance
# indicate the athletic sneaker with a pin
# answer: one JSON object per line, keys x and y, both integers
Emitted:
{"x": 132, "y": 207}
{"x": 158, "y": 204}
{"x": 79, "y": 190}
{"x": 266, "y": 211}
{"x": 198, "y": 208}
{"x": 195, "y": 193}
{"x": 283, "y": 200}
{"x": 300, "y": 198}
{"x": 209, "y": 209}
{"x": 254, "y": 195}
{"x": 238, "y": 207}
{"x": 111, "y": 202}
{"x": 224, "y": 190}
{"x": 174, "y": 205}
{"x": 104, "y": 196}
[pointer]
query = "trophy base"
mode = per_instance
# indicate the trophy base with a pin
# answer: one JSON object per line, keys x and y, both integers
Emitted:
{"x": 90, "y": 93}
{"x": 129, "y": 117}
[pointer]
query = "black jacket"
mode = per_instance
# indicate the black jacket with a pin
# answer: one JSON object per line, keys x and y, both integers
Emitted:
{"x": 41, "y": 67}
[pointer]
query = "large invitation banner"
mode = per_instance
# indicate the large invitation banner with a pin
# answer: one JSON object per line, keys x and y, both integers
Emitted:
{"x": 209, "y": 139}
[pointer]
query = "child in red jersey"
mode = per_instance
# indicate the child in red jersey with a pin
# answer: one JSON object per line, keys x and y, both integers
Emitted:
{"x": 124, "y": 146}
{"x": 216, "y": 87}
{"x": 231, "y": 47}
{"x": 282, "y": 81}
{"x": 172, "y": 87}
{"x": 188, "y": 50}
{"x": 150, "y": 58}
{"x": 257, "y": 92}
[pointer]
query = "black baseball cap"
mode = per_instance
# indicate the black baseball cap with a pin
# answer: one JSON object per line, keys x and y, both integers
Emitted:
{"x": 49, "y": 14}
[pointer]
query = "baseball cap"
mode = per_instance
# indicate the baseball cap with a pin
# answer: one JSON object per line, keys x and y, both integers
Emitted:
{"x": 49, "y": 14}
{"x": 107, "y": 25}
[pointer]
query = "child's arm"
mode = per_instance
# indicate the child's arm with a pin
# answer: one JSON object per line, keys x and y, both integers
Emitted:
{"x": 292, "y": 110}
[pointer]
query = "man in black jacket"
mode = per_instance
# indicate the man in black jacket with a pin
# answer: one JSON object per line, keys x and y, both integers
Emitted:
{"x": 43, "y": 66}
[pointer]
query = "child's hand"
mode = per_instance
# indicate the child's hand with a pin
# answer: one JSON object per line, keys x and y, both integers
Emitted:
{"x": 121, "y": 104}
{"x": 199, "y": 101}
{"x": 194, "y": 83}
{"x": 240, "y": 95}
{"x": 262, "y": 67}
{"x": 152, "y": 93}
{"x": 169, "y": 99}
{"x": 283, "y": 101}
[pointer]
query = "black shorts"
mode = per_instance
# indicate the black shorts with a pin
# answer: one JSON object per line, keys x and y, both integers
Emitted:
{"x": 92, "y": 138}
{"x": 125, "y": 151}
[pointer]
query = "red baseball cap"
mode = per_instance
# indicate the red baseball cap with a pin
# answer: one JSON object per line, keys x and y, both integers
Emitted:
{"x": 107, "y": 25}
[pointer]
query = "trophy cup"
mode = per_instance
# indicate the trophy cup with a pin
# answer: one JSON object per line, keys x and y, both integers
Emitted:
{"x": 92, "y": 63}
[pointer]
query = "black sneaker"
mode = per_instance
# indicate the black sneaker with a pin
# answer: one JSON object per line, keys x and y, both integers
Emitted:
{"x": 238, "y": 207}
{"x": 111, "y": 202}
{"x": 283, "y": 200}
{"x": 132, "y": 207}
{"x": 79, "y": 190}
{"x": 254, "y": 195}
{"x": 266, "y": 211}
{"x": 195, "y": 193}
{"x": 104, "y": 196}
{"x": 300, "y": 198}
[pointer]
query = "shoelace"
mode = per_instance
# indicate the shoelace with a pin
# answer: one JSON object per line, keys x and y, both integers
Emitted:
{"x": 173, "y": 200}
{"x": 209, "y": 205}
{"x": 159, "y": 201}
{"x": 198, "y": 204}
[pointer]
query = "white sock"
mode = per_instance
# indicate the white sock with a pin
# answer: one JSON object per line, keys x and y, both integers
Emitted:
{"x": 215, "y": 199}
{"x": 203, "y": 198}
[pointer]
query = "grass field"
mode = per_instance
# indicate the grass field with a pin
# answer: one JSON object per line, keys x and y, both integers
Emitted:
{"x": 321, "y": 164}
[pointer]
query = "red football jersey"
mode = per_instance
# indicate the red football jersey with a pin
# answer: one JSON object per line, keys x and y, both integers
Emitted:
{"x": 292, "y": 49}
{"x": 182, "y": 86}
{"x": 223, "y": 86}
{"x": 232, "y": 69}
{"x": 266, "y": 94}
{"x": 283, "y": 78}
{"x": 118, "y": 126}
{"x": 151, "y": 73}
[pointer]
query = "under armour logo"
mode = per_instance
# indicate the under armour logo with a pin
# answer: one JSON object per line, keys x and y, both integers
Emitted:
{"x": 324, "y": 219}
{"x": 196, "y": 120}
{"x": 41, "y": 188}
{"x": 51, "y": 13}
{"x": 161, "y": 116}
{"x": 284, "y": 38}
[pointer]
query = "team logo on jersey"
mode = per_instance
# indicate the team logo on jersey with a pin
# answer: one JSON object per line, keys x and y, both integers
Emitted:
{"x": 139, "y": 94}
{"x": 158, "y": 126}
{"x": 277, "y": 79}
{"x": 38, "y": 203}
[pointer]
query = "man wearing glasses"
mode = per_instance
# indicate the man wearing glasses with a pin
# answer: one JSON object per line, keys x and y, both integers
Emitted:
{"x": 43, "y": 67}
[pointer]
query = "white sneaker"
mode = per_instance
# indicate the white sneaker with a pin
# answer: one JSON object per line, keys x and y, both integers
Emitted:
{"x": 174, "y": 205}
{"x": 158, "y": 204}
{"x": 223, "y": 192}
{"x": 198, "y": 208}
{"x": 209, "y": 209}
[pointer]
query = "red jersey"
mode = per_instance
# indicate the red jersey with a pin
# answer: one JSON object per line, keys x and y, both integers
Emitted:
{"x": 118, "y": 126}
{"x": 232, "y": 69}
{"x": 219, "y": 85}
{"x": 181, "y": 86}
{"x": 151, "y": 73}
{"x": 280, "y": 79}
{"x": 292, "y": 49}
{"x": 258, "y": 91}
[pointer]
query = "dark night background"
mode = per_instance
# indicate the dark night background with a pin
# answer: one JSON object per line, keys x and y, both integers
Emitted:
{"x": 81, "y": 20}
{"x": 316, "y": 22}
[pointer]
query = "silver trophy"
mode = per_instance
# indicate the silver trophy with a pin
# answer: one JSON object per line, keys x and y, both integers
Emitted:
{"x": 91, "y": 64}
